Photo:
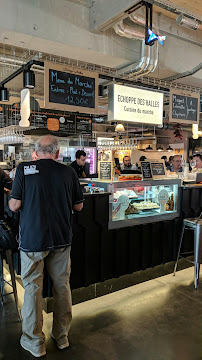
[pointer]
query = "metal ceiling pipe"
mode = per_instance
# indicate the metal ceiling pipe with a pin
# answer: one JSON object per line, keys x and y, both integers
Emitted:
{"x": 142, "y": 64}
{"x": 153, "y": 62}
{"x": 129, "y": 32}
{"x": 184, "y": 74}
{"x": 140, "y": 20}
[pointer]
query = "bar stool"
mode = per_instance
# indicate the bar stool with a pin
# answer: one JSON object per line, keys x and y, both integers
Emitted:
{"x": 7, "y": 254}
{"x": 196, "y": 226}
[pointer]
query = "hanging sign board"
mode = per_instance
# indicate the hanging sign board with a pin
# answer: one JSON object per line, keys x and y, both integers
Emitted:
{"x": 146, "y": 170}
{"x": 135, "y": 105}
{"x": 158, "y": 169}
{"x": 184, "y": 107}
{"x": 105, "y": 170}
{"x": 70, "y": 89}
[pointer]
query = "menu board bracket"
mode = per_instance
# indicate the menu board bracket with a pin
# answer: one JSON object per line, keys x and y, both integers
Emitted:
{"x": 70, "y": 89}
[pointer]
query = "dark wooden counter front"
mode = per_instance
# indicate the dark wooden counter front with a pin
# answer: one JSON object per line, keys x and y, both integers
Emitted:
{"x": 99, "y": 254}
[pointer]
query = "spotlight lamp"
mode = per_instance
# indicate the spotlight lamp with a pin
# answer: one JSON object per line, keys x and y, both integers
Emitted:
{"x": 159, "y": 148}
{"x": 187, "y": 22}
{"x": 4, "y": 94}
{"x": 28, "y": 79}
{"x": 149, "y": 148}
{"x": 169, "y": 148}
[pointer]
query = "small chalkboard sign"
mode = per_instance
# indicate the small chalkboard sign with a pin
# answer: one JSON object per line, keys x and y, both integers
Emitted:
{"x": 158, "y": 169}
{"x": 184, "y": 107}
{"x": 105, "y": 170}
{"x": 146, "y": 170}
{"x": 83, "y": 124}
{"x": 70, "y": 89}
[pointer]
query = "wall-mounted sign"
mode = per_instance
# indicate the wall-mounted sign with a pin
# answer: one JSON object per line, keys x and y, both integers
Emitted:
{"x": 146, "y": 170}
{"x": 135, "y": 105}
{"x": 83, "y": 124}
{"x": 184, "y": 107}
{"x": 105, "y": 170}
{"x": 70, "y": 89}
{"x": 53, "y": 124}
{"x": 158, "y": 169}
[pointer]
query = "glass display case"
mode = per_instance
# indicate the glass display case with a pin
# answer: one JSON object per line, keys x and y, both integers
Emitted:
{"x": 136, "y": 202}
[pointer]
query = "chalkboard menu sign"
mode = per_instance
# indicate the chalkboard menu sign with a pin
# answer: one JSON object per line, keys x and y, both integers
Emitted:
{"x": 146, "y": 170}
{"x": 158, "y": 169}
{"x": 184, "y": 107}
{"x": 105, "y": 170}
{"x": 83, "y": 124}
{"x": 67, "y": 123}
{"x": 70, "y": 89}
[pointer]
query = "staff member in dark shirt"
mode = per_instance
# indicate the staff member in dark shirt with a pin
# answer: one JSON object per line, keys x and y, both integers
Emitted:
{"x": 46, "y": 192}
{"x": 78, "y": 164}
{"x": 5, "y": 182}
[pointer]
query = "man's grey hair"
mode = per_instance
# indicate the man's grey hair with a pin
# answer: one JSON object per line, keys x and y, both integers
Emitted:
{"x": 47, "y": 144}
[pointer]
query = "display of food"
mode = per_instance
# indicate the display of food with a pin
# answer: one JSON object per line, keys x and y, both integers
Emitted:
{"x": 146, "y": 205}
{"x": 129, "y": 193}
{"x": 130, "y": 177}
{"x": 135, "y": 208}
{"x": 131, "y": 210}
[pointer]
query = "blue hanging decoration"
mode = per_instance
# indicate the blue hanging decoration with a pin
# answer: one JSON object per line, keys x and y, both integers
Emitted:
{"x": 153, "y": 37}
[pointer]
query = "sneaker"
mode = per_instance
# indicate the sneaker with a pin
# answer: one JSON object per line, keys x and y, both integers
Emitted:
{"x": 37, "y": 351}
{"x": 62, "y": 343}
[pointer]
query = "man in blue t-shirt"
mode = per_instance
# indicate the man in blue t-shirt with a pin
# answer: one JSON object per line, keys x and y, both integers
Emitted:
{"x": 46, "y": 192}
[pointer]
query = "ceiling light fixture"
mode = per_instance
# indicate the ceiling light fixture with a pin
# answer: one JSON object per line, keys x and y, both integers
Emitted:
{"x": 159, "y": 148}
{"x": 149, "y": 148}
{"x": 4, "y": 94}
{"x": 29, "y": 79}
{"x": 187, "y": 22}
{"x": 119, "y": 128}
{"x": 169, "y": 148}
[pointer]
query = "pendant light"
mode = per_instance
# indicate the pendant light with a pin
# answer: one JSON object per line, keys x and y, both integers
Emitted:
{"x": 29, "y": 79}
{"x": 159, "y": 148}
{"x": 25, "y": 108}
{"x": 169, "y": 148}
{"x": 149, "y": 148}
{"x": 4, "y": 94}
{"x": 119, "y": 128}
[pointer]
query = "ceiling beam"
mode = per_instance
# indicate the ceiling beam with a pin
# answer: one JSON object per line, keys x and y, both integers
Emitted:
{"x": 104, "y": 14}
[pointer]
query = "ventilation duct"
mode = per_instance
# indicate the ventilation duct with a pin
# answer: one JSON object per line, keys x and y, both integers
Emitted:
{"x": 185, "y": 74}
{"x": 141, "y": 66}
{"x": 129, "y": 32}
{"x": 149, "y": 54}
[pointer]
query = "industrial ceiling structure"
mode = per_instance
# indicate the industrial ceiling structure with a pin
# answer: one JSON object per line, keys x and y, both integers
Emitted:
{"x": 81, "y": 33}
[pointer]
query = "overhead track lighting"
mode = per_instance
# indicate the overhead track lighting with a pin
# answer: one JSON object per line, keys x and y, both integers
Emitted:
{"x": 29, "y": 79}
{"x": 4, "y": 94}
{"x": 169, "y": 148}
{"x": 187, "y": 22}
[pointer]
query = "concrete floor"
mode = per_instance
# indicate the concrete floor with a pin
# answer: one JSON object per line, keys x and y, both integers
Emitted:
{"x": 159, "y": 319}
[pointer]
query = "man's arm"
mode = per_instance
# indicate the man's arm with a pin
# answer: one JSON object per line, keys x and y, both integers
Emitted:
{"x": 78, "y": 207}
{"x": 14, "y": 204}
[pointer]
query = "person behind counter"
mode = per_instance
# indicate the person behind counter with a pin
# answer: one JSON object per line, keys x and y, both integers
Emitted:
{"x": 79, "y": 163}
{"x": 176, "y": 164}
{"x": 167, "y": 164}
{"x": 127, "y": 164}
{"x": 198, "y": 159}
